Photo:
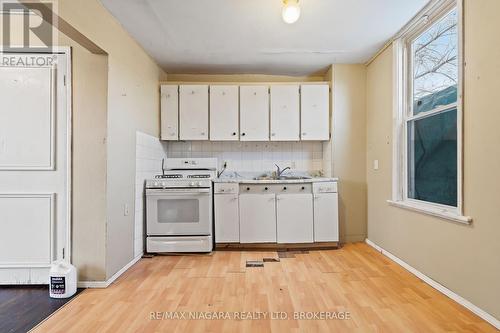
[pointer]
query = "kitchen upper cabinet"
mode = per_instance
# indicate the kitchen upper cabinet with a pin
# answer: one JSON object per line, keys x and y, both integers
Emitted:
{"x": 193, "y": 112}
{"x": 169, "y": 112}
{"x": 326, "y": 217}
{"x": 224, "y": 113}
{"x": 254, "y": 113}
{"x": 294, "y": 214}
{"x": 315, "y": 112}
{"x": 257, "y": 218}
{"x": 285, "y": 114}
{"x": 227, "y": 227}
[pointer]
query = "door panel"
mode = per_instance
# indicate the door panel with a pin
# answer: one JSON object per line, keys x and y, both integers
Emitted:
{"x": 227, "y": 224}
{"x": 315, "y": 112}
{"x": 257, "y": 218}
{"x": 285, "y": 114}
{"x": 294, "y": 218}
{"x": 34, "y": 174}
{"x": 254, "y": 113}
{"x": 35, "y": 223}
{"x": 224, "y": 113}
{"x": 193, "y": 112}
{"x": 169, "y": 112}
{"x": 326, "y": 217}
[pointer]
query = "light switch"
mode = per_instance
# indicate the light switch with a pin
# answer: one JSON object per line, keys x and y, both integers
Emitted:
{"x": 375, "y": 164}
{"x": 126, "y": 211}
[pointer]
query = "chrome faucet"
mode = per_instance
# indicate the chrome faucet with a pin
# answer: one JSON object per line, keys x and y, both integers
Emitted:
{"x": 279, "y": 172}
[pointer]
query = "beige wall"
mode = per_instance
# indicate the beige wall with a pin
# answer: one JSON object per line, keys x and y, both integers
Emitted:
{"x": 349, "y": 148}
{"x": 240, "y": 78}
{"x": 90, "y": 79}
{"x": 104, "y": 140}
{"x": 465, "y": 259}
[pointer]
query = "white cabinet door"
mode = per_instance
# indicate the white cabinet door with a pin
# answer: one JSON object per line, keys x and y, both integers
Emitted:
{"x": 254, "y": 113}
{"x": 193, "y": 111}
{"x": 169, "y": 112}
{"x": 285, "y": 115}
{"x": 294, "y": 218}
{"x": 315, "y": 112}
{"x": 227, "y": 224}
{"x": 257, "y": 218}
{"x": 224, "y": 113}
{"x": 326, "y": 217}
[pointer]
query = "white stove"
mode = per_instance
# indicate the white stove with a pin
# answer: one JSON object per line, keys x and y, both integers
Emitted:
{"x": 179, "y": 206}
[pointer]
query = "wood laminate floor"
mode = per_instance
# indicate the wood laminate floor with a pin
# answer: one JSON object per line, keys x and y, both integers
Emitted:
{"x": 375, "y": 294}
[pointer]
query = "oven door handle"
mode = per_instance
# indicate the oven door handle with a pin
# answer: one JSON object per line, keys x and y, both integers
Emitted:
{"x": 197, "y": 191}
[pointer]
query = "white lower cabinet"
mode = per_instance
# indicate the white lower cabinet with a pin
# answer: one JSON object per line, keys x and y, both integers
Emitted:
{"x": 257, "y": 218}
{"x": 276, "y": 213}
{"x": 294, "y": 218}
{"x": 326, "y": 217}
{"x": 227, "y": 221}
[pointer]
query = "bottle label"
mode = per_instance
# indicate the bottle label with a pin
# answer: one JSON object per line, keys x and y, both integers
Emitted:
{"x": 58, "y": 284}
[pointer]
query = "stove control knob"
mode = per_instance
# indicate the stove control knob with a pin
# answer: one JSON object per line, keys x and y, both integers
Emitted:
{"x": 199, "y": 184}
{"x": 191, "y": 184}
{"x": 164, "y": 184}
{"x": 155, "y": 184}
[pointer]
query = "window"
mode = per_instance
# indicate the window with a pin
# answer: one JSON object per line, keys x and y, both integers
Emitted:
{"x": 427, "y": 141}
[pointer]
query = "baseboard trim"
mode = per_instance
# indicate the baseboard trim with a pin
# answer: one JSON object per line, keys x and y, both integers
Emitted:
{"x": 105, "y": 284}
{"x": 439, "y": 287}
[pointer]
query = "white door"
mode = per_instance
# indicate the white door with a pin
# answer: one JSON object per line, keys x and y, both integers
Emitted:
{"x": 169, "y": 112}
{"x": 285, "y": 114}
{"x": 193, "y": 112}
{"x": 34, "y": 167}
{"x": 294, "y": 218}
{"x": 326, "y": 217}
{"x": 254, "y": 113}
{"x": 224, "y": 113}
{"x": 227, "y": 224}
{"x": 257, "y": 218}
{"x": 315, "y": 112}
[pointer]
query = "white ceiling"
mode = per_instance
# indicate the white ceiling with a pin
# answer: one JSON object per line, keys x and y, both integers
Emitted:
{"x": 249, "y": 36}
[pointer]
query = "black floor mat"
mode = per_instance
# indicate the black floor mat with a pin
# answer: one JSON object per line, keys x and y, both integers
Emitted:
{"x": 23, "y": 307}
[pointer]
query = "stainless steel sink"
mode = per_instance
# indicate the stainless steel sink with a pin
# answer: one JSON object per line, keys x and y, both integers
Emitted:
{"x": 281, "y": 178}
{"x": 293, "y": 177}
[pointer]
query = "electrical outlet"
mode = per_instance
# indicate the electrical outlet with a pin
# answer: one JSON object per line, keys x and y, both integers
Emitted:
{"x": 126, "y": 210}
{"x": 375, "y": 164}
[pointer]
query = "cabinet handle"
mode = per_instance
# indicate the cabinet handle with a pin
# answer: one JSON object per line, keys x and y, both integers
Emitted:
{"x": 255, "y": 93}
{"x": 202, "y": 133}
{"x": 234, "y": 133}
{"x": 273, "y": 134}
{"x": 303, "y": 188}
{"x": 284, "y": 188}
{"x": 243, "y": 134}
{"x": 192, "y": 92}
{"x": 248, "y": 188}
{"x": 304, "y": 133}
{"x": 265, "y": 189}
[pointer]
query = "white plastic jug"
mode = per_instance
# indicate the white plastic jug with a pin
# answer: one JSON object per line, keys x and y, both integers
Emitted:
{"x": 62, "y": 278}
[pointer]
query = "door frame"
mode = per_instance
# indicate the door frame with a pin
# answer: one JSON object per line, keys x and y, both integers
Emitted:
{"x": 67, "y": 52}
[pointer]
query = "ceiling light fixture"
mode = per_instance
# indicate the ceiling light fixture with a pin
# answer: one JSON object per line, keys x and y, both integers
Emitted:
{"x": 291, "y": 11}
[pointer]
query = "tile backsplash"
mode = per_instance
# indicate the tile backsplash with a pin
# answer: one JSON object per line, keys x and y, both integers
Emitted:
{"x": 253, "y": 156}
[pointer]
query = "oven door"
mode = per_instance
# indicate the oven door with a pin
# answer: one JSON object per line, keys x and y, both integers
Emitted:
{"x": 179, "y": 211}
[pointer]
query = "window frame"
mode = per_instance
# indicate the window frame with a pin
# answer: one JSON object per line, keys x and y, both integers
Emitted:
{"x": 403, "y": 106}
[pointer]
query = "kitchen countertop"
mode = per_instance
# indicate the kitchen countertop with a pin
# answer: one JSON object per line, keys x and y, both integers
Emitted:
{"x": 273, "y": 181}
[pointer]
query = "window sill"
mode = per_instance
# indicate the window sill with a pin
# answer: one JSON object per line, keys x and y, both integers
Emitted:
{"x": 431, "y": 210}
